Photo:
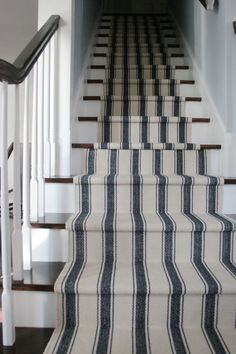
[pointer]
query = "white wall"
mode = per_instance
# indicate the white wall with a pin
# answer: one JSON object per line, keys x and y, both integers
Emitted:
{"x": 77, "y": 22}
{"x": 85, "y": 15}
{"x": 210, "y": 37}
{"x": 133, "y": 6}
{"x": 18, "y": 23}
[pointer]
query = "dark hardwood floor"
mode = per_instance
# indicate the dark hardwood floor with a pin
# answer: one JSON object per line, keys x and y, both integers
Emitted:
{"x": 28, "y": 341}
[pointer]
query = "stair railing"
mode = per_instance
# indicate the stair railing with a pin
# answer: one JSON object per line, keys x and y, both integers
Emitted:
{"x": 36, "y": 64}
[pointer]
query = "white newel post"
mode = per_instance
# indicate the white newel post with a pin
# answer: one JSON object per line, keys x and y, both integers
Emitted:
{"x": 7, "y": 296}
{"x": 41, "y": 136}
{"x": 26, "y": 229}
{"x": 34, "y": 151}
{"x": 17, "y": 251}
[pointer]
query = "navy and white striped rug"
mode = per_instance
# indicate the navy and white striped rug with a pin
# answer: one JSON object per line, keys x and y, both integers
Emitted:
{"x": 151, "y": 264}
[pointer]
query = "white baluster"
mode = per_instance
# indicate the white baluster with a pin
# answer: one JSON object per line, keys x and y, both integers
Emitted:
{"x": 17, "y": 251}
{"x": 53, "y": 103}
{"x": 34, "y": 151}
{"x": 41, "y": 136}
{"x": 26, "y": 230}
{"x": 47, "y": 150}
{"x": 7, "y": 297}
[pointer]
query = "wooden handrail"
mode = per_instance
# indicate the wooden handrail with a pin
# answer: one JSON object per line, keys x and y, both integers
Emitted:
{"x": 10, "y": 150}
{"x": 17, "y": 72}
{"x": 208, "y": 4}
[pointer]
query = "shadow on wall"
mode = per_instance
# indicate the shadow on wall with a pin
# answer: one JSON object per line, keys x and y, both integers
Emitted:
{"x": 135, "y": 6}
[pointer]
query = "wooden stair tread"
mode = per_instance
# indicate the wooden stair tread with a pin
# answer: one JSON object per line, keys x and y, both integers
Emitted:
{"x": 51, "y": 221}
{"x": 100, "y": 81}
{"x": 103, "y": 67}
{"x": 105, "y": 55}
{"x": 98, "y": 98}
{"x": 105, "y": 45}
{"x": 116, "y": 14}
{"x": 41, "y": 277}
{"x": 91, "y": 146}
{"x": 228, "y": 180}
{"x": 110, "y": 36}
{"x": 59, "y": 179}
{"x": 95, "y": 119}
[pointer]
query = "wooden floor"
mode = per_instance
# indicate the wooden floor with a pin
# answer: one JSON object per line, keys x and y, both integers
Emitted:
{"x": 28, "y": 341}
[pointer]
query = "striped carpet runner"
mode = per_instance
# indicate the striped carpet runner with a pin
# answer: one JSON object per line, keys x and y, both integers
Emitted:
{"x": 151, "y": 258}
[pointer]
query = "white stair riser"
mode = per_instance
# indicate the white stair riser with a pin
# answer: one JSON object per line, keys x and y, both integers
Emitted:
{"x": 94, "y": 108}
{"x": 98, "y": 89}
{"x": 144, "y": 61}
{"x": 59, "y": 198}
{"x": 179, "y": 74}
{"x": 144, "y": 50}
{"x": 66, "y": 192}
{"x": 149, "y": 198}
{"x": 168, "y": 162}
{"x": 88, "y": 132}
{"x": 158, "y": 306}
{"x": 154, "y": 246}
{"x": 28, "y": 314}
{"x": 165, "y": 40}
{"x": 142, "y": 32}
{"x": 213, "y": 162}
{"x": 49, "y": 245}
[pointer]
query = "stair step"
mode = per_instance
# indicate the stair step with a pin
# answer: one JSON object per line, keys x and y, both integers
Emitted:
{"x": 55, "y": 221}
{"x": 106, "y": 45}
{"x": 99, "y": 98}
{"x": 68, "y": 180}
{"x": 41, "y": 277}
{"x": 230, "y": 180}
{"x": 117, "y": 14}
{"x": 95, "y": 119}
{"x": 109, "y": 36}
{"x": 161, "y": 28}
{"x": 101, "y": 67}
{"x": 91, "y": 146}
{"x": 98, "y": 81}
{"x": 104, "y": 55}
{"x": 59, "y": 179}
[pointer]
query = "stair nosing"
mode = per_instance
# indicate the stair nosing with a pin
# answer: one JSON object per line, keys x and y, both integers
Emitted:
{"x": 176, "y": 67}
{"x": 105, "y": 55}
{"x": 107, "y": 45}
{"x": 95, "y": 119}
{"x": 99, "y": 98}
{"x": 228, "y": 180}
{"x": 91, "y": 146}
{"x": 101, "y": 81}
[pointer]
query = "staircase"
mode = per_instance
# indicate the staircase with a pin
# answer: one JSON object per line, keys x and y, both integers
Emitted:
{"x": 151, "y": 267}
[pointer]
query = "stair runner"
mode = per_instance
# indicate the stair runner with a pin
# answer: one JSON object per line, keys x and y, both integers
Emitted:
{"x": 151, "y": 266}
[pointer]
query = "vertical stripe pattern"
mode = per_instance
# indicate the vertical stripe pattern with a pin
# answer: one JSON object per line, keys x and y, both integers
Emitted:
{"x": 151, "y": 266}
